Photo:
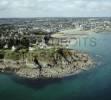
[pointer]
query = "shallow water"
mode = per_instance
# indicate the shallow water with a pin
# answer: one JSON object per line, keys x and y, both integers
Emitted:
{"x": 94, "y": 84}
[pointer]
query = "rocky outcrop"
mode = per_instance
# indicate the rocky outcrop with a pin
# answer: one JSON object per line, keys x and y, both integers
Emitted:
{"x": 61, "y": 63}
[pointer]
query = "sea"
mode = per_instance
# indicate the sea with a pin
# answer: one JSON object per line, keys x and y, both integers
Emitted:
{"x": 94, "y": 84}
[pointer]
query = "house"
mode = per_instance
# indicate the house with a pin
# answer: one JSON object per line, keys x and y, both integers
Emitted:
{"x": 6, "y": 46}
{"x": 13, "y": 48}
{"x": 31, "y": 49}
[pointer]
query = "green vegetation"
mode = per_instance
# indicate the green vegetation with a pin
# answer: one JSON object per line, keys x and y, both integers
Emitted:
{"x": 2, "y": 54}
{"x": 12, "y": 55}
{"x": 23, "y": 54}
{"x": 39, "y": 32}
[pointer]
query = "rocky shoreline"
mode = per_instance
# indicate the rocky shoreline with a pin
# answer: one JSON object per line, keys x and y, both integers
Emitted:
{"x": 65, "y": 63}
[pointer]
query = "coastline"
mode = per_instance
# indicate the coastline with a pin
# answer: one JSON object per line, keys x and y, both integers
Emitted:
{"x": 60, "y": 70}
{"x": 79, "y": 62}
{"x": 72, "y": 33}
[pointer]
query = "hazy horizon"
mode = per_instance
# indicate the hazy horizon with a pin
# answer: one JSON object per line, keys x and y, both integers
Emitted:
{"x": 54, "y": 17}
{"x": 51, "y": 8}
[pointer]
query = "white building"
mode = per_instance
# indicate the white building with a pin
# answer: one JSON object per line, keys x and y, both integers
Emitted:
{"x": 31, "y": 49}
{"x": 13, "y": 48}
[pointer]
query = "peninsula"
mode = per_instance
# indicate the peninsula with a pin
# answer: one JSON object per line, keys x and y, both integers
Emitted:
{"x": 45, "y": 63}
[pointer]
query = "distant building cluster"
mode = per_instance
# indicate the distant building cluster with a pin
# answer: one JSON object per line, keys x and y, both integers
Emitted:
{"x": 29, "y": 33}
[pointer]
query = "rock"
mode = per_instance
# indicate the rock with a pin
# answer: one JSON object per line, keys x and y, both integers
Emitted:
{"x": 50, "y": 69}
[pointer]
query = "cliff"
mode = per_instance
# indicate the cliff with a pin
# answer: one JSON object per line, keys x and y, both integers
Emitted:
{"x": 51, "y": 63}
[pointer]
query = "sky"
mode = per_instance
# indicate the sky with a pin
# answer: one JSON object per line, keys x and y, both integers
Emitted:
{"x": 55, "y": 8}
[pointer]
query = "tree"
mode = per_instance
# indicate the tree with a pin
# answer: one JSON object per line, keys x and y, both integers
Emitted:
{"x": 39, "y": 65}
{"x": 2, "y": 54}
{"x": 61, "y": 52}
{"x": 10, "y": 43}
{"x": 23, "y": 52}
{"x": 47, "y": 38}
{"x": 25, "y": 42}
{"x": 1, "y": 44}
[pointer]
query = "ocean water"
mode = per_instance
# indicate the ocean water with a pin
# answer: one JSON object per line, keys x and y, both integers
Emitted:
{"x": 94, "y": 84}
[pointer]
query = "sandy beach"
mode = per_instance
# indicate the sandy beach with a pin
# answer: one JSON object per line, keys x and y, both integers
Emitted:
{"x": 72, "y": 33}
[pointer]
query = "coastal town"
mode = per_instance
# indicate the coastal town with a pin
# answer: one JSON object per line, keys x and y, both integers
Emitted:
{"x": 32, "y": 31}
{"x": 55, "y": 49}
{"x": 38, "y": 47}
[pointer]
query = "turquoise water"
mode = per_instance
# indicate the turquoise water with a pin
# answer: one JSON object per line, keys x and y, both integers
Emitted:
{"x": 94, "y": 84}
